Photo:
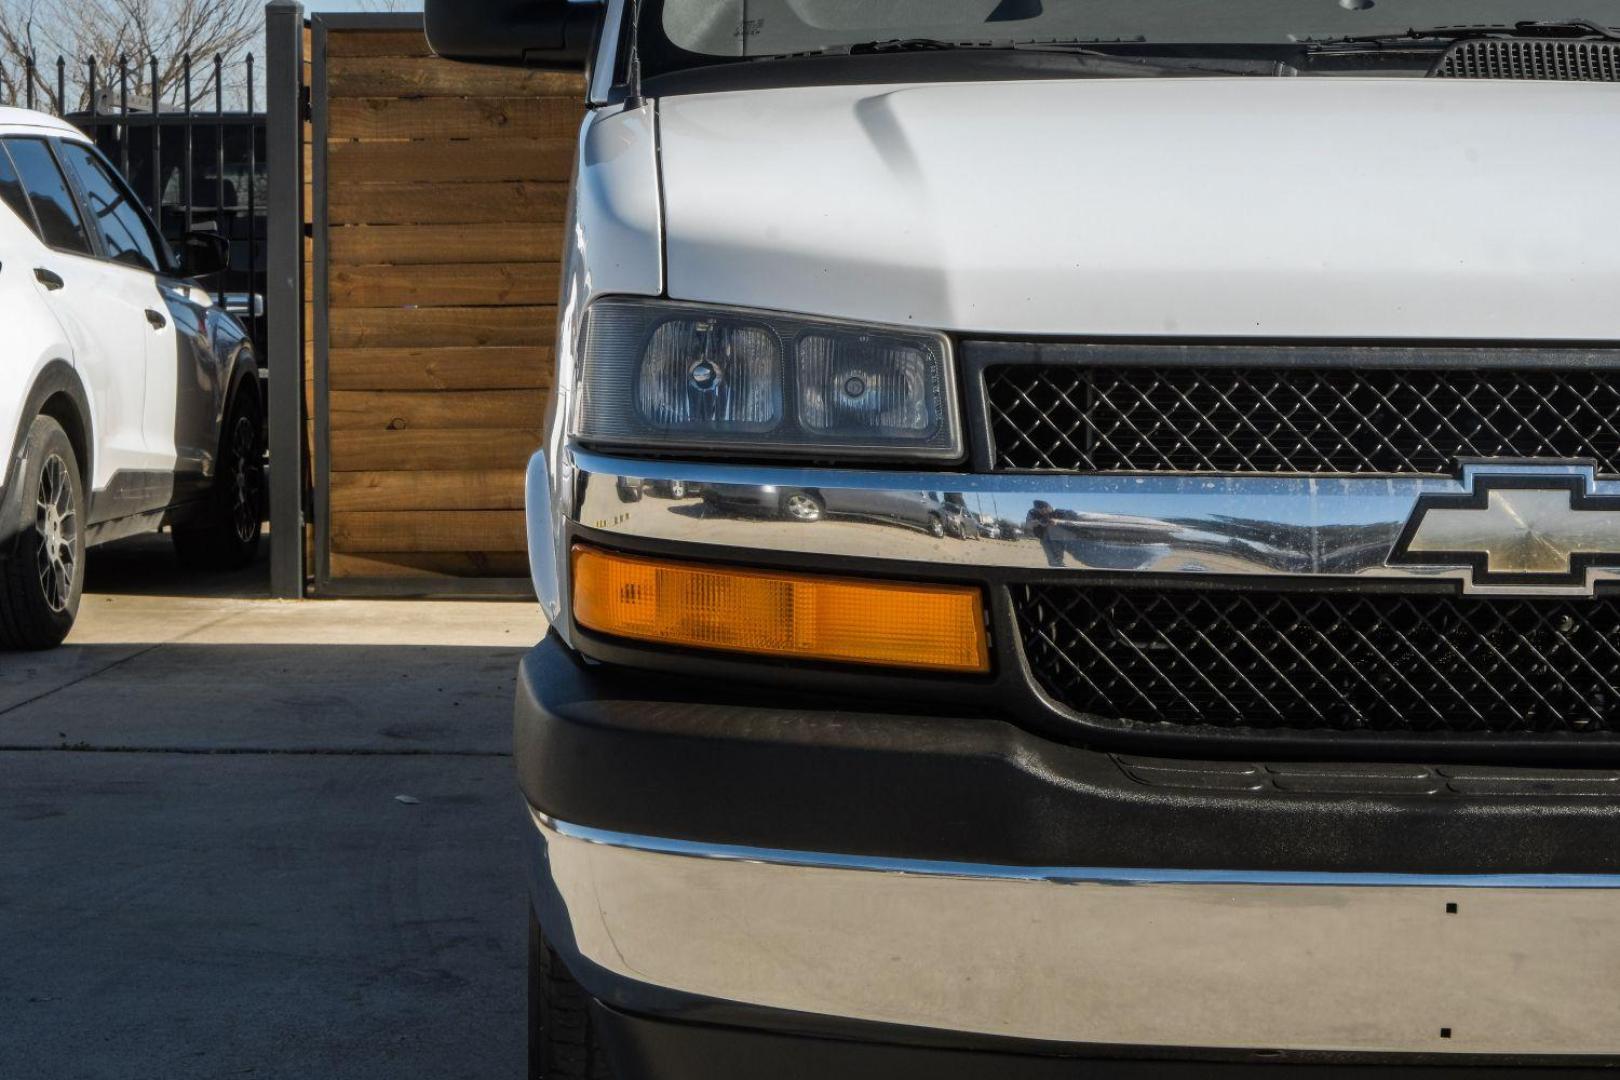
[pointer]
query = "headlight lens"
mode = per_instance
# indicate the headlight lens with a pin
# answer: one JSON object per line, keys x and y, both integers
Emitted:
{"x": 860, "y": 385}
{"x": 712, "y": 375}
{"x": 655, "y": 373}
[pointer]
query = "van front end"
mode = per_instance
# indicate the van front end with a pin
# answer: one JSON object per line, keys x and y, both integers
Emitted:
{"x": 764, "y": 866}
{"x": 1077, "y": 543}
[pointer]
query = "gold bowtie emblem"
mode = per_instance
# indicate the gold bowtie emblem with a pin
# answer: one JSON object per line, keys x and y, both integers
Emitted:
{"x": 1521, "y": 532}
{"x": 1518, "y": 529}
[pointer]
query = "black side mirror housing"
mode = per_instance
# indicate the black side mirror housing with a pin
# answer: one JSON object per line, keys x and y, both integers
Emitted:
{"x": 556, "y": 35}
{"x": 203, "y": 253}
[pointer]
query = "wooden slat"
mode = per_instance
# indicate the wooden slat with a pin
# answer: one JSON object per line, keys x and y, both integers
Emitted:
{"x": 358, "y": 328}
{"x": 416, "y": 410}
{"x": 377, "y": 43}
{"x": 431, "y": 566}
{"x": 449, "y": 160}
{"x": 444, "y": 117}
{"x": 413, "y": 245}
{"x": 453, "y": 489}
{"x": 429, "y": 530}
{"x": 390, "y": 451}
{"x": 411, "y": 77}
{"x": 519, "y": 368}
{"x": 445, "y": 204}
{"x": 463, "y": 285}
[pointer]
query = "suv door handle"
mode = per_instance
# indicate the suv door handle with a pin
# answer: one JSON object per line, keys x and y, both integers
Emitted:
{"x": 49, "y": 278}
{"x": 158, "y": 321}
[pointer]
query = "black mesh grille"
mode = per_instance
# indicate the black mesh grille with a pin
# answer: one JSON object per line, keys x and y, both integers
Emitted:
{"x": 1327, "y": 661}
{"x": 1582, "y": 61}
{"x": 1081, "y": 418}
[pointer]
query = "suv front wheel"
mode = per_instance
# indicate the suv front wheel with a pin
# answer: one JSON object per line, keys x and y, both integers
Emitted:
{"x": 226, "y": 535}
{"x": 42, "y": 576}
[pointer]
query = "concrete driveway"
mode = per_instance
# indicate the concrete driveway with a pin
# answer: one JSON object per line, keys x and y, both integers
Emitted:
{"x": 207, "y": 868}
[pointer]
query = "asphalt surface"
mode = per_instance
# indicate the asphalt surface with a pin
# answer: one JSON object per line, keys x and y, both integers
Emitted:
{"x": 207, "y": 868}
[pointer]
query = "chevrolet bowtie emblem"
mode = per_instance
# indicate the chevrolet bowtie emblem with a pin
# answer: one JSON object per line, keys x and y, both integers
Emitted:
{"x": 1534, "y": 530}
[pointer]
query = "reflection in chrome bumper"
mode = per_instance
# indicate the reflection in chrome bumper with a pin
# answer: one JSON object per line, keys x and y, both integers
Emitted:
{"x": 1379, "y": 963}
{"x": 1320, "y": 526}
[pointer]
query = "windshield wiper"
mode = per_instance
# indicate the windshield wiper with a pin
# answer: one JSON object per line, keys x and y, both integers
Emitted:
{"x": 923, "y": 44}
{"x": 1091, "y": 60}
{"x": 1573, "y": 29}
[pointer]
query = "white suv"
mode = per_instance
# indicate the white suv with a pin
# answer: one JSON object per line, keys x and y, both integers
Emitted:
{"x": 131, "y": 400}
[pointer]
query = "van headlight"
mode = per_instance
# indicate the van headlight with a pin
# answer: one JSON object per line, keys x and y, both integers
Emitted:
{"x": 658, "y": 374}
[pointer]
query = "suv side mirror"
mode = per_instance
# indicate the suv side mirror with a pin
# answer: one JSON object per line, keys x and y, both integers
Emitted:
{"x": 554, "y": 34}
{"x": 203, "y": 253}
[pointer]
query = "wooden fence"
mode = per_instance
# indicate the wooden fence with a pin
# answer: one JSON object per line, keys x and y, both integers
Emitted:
{"x": 439, "y": 192}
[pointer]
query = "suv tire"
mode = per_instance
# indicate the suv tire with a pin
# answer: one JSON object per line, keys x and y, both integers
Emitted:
{"x": 42, "y": 577}
{"x": 563, "y": 1040}
{"x": 226, "y": 535}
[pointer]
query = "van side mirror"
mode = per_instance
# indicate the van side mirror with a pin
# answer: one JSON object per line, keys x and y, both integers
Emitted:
{"x": 203, "y": 253}
{"x": 551, "y": 34}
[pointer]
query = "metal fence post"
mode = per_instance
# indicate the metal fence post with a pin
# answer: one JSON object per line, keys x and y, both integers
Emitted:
{"x": 284, "y": 101}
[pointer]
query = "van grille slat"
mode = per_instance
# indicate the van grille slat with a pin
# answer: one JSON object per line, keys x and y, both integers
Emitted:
{"x": 1337, "y": 662}
{"x": 1087, "y": 419}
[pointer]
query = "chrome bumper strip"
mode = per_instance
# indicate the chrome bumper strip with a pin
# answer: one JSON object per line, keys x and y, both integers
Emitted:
{"x": 1065, "y": 875}
{"x": 1179, "y": 959}
{"x": 1332, "y": 526}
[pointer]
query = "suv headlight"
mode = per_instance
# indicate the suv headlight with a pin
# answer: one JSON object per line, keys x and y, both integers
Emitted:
{"x": 660, "y": 374}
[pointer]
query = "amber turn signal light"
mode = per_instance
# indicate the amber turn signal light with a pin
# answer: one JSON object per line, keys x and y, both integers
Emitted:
{"x": 765, "y": 613}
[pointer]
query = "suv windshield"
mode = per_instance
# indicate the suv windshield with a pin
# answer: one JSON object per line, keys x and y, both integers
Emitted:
{"x": 689, "y": 33}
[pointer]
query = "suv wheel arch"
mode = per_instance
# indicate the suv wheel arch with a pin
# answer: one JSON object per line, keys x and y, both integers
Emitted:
{"x": 58, "y": 393}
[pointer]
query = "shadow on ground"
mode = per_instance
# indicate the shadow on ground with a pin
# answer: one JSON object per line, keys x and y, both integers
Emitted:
{"x": 147, "y": 566}
{"x": 205, "y": 868}
{"x": 270, "y": 697}
{"x": 179, "y": 916}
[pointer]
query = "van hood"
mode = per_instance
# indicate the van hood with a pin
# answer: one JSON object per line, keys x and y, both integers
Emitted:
{"x": 1262, "y": 207}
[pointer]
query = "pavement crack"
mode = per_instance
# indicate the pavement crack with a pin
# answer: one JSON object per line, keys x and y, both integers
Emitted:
{"x": 120, "y": 662}
{"x": 87, "y": 676}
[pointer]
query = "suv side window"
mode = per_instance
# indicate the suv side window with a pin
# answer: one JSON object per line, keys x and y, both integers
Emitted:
{"x": 59, "y": 222}
{"x": 11, "y": 192}
{"x": 127, "y": 235}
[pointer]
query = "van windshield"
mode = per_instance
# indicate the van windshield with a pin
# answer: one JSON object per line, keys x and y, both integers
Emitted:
{"x": 688, "y": 33}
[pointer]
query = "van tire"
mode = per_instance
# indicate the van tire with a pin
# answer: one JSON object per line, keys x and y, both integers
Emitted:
{"x": 225, "y": 536}
{"x": 42, "y": 576}
{"x": 563, "y": 1041}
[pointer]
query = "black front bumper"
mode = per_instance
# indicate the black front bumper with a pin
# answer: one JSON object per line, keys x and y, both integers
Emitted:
{"x": 707, "y": 760}
{"x": 633, "y": 753}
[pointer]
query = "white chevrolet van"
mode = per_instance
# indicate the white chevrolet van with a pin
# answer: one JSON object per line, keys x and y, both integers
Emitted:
{"x": 1253, "y": 707}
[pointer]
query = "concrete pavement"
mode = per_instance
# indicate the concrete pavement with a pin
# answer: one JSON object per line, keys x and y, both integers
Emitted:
{"x": 204, "y": 868}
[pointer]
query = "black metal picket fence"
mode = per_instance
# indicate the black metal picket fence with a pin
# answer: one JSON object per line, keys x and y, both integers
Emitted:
{"x": 190, "y": 139}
